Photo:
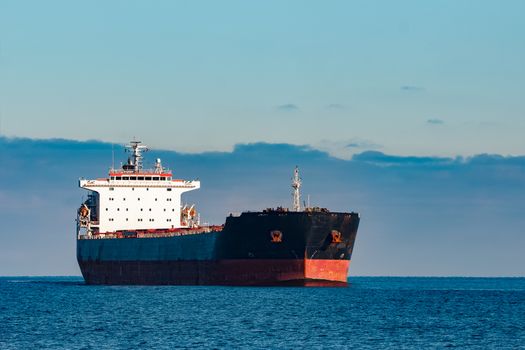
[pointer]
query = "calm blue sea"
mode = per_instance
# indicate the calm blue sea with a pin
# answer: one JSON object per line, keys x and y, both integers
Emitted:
{"x": 372, "y": 313}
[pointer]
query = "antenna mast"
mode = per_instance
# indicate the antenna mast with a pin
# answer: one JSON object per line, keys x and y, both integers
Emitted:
{"x": 296, "y": 194}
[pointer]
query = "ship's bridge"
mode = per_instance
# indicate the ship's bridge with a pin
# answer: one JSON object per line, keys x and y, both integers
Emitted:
{"x": 139, "y": 176}
{"x": 132, "y": 198}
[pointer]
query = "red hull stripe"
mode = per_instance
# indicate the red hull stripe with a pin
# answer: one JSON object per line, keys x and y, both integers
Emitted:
{"x": 329, "y": 270}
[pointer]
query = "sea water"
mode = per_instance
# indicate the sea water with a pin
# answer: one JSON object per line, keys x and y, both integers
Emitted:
{"x": 371, "y": 313}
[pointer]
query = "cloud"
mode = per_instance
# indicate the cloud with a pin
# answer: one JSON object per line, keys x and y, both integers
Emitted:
{"x": 335, "y": 106}
{"x": 435, "y": 121}
{"x": 414, "y": 210}
{"x": 345, "y": 149}
{"x": 362, "y": 144}
{"x": 288, "y": 107}
{"x": 412, "y": 88}
{"x": 379, "y": 158}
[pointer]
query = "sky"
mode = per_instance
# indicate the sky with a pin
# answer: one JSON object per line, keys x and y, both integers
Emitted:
{"x": 440, "y": 78}
{"x": 409, "y": 112}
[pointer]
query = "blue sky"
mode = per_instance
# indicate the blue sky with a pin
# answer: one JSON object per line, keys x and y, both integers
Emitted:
{"x": 410, "y": 112}
{"x": 403, "y": 77}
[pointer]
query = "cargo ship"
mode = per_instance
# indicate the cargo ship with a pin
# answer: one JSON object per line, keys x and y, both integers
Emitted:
{"x": 133, "y": 228}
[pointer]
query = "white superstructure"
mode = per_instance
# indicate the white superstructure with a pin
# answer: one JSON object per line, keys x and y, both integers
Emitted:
{"x": 132, "y": 198}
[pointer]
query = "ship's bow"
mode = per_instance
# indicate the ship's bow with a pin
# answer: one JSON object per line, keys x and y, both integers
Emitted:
{"x": 288, "y": 248}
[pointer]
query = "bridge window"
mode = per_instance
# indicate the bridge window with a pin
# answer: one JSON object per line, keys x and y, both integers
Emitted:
{"x": 118, "y": 178}
{"x": 155, "y": 178}
{"x": 140, "y": 178}
{"x": 132, "y": 177}
{"x": 162, "y": 179}
{"x": 147, "y": 178}
{"x": 125, "y": 178}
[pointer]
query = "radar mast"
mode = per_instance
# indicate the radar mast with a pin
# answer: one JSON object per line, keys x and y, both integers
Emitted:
{"x": 136, "y": 149}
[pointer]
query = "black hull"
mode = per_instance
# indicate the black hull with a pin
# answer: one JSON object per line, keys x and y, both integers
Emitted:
{"x": 263, "y": 248}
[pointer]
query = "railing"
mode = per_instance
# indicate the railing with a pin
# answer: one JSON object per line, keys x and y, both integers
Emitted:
{"x": 154, "y": 234}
